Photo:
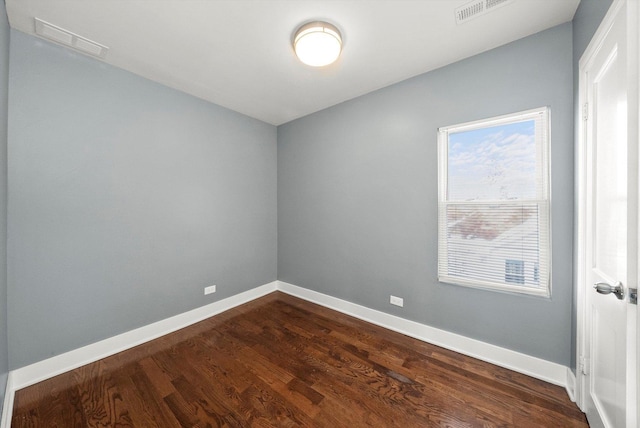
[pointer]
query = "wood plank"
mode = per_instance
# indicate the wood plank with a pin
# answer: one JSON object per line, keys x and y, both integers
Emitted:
{"x": 282, "y": 361}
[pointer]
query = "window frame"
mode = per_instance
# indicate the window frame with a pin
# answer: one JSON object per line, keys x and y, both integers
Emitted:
{"x": 542, "y": 201}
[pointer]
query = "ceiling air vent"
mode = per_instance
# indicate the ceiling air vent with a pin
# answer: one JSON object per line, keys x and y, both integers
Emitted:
{"x": 67, "y": 38}
{"x": 476, "y": 8}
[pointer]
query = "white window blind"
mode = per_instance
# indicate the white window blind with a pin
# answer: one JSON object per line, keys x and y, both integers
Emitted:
{"x": 493, "y": 225}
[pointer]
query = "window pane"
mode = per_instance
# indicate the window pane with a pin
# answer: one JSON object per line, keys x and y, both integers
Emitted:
{"x": 494, "y": 243}
{"x": 493, "y": 163}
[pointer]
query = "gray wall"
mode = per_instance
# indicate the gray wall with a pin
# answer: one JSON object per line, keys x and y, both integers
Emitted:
{"x": 4, "y": 81}
{"x": 126, "y": 198}
{"x": 357, "y": 195}
{"x": 585, "y": 23}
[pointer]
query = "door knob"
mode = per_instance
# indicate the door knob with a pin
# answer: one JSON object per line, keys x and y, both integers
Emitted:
{"x": 604, "y": 288}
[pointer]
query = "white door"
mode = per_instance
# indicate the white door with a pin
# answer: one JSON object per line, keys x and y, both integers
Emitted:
{"x": 610, "y": 233}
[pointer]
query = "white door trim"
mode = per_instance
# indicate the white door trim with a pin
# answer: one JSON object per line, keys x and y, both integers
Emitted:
{"x": 634, "y": 105}
{"x": 633, "y": 19}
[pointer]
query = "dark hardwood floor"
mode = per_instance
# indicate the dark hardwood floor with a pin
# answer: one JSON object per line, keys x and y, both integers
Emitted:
{"x": 281, "y": 361}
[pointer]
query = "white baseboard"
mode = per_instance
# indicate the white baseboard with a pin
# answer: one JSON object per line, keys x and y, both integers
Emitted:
{"x": 571, "y": 385}
{"x": 53, "y": 366}
{"x": 37, "y": 372}
{"x": 7, "y": 407}
{"x": 522, "y": 363}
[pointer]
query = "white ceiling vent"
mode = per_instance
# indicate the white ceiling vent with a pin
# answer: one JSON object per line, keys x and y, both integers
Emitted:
{"x": 72, "y": 40}
{"x": 476, "y": 8}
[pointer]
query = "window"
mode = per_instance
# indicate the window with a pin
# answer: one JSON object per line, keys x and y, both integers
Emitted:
{"x": 493, "y": 208}
{"x": 514, "y": 271}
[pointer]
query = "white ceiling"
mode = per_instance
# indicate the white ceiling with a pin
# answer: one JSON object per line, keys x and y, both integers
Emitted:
{"x": 237, "y": 53}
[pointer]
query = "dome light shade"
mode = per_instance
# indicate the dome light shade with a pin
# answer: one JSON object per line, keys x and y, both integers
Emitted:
{"x": 317, "y": 43}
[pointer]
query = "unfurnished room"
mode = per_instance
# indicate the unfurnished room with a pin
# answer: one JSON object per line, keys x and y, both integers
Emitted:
{"x": 319, "y": 213}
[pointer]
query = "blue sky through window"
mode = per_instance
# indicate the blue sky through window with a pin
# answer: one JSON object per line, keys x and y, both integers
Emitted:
{"x": 494, "y": 163}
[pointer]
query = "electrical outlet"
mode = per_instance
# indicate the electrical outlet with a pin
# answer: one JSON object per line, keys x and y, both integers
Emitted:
{"x": 398, "y": 301}
{"x": 210, "y": 289}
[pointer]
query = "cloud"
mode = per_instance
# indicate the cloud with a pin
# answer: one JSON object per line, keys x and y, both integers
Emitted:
{"x": 493, "y": 163}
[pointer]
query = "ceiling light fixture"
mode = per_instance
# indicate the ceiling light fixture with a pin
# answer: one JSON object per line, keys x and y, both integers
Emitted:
{"x": 317, "y": 43}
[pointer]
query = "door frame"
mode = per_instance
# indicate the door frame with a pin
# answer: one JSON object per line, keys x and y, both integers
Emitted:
{"x": 633, "y": 75}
